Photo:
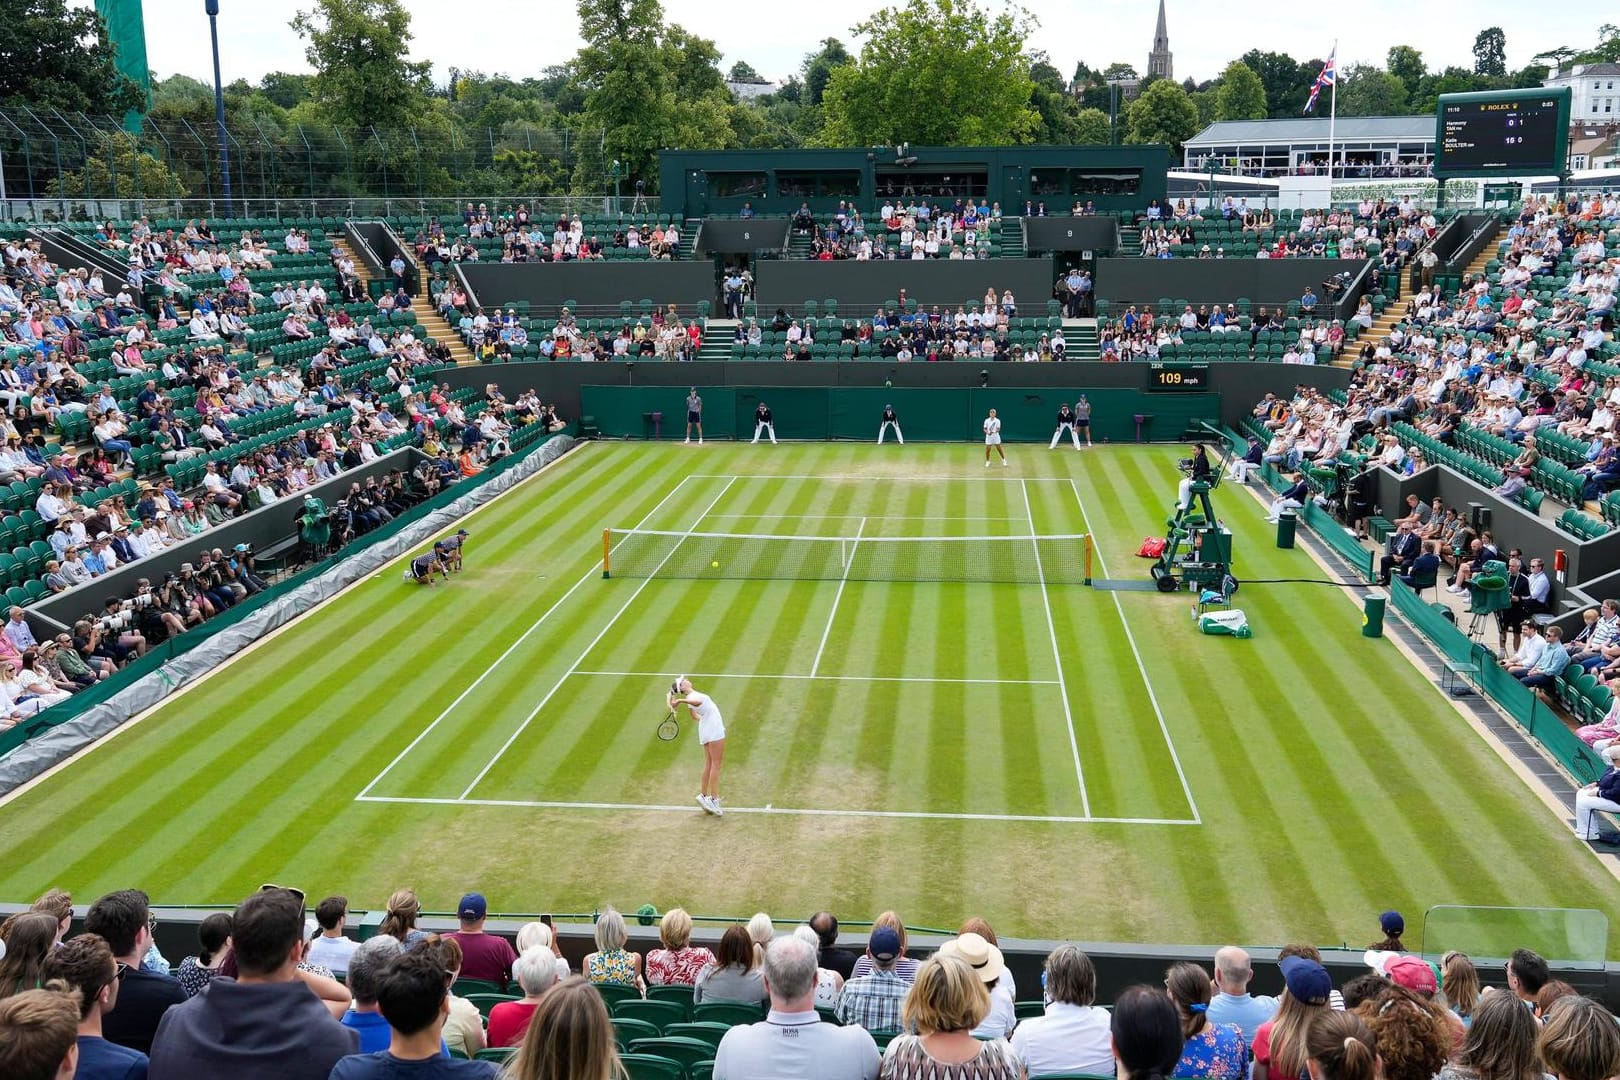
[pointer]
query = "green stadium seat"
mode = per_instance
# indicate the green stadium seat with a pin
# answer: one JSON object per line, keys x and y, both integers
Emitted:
{"x": 686, "y": 1051}
{"x": 626, "y": 1030}
{"x": 680, "y": 994}
{"x": 728, "y": 1012}
{"x": 652, "y": 1067}
{"x": 658, "y": 1013}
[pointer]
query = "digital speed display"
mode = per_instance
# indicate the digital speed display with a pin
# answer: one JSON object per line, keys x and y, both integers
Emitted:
{"x": 1187, "y": 378}
{"x": 1514, "y": 132}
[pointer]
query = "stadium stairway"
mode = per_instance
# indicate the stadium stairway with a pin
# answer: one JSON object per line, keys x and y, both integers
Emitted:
{"x": 716, "y": 343}
{"x": 339, "y": 243}
{"x": 1084, "y": 343}
{"x": 1394, "y": 313}
{"x": 1130, "y": 241}
{"x": 434, "y": 325}
{"x": 1012, "y": 238}
{"x": 689, "y": 231}
{"x": 799, "y": 244}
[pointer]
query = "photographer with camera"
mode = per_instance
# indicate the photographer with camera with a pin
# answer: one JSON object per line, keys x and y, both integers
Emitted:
{"x": 169, "y": 606}
{"x": 116, "y": 627}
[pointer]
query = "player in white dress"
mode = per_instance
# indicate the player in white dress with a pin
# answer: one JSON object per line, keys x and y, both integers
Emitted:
{"x": 992, "y": 437}
{"x": 711, "y": 736}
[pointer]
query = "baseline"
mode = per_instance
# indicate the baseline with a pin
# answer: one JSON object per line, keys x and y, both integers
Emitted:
{"x": 541, "y": 804}
{"x": 541, "y": 704}
{"x": 1141, "y": 668}
{"x": 1057, "y": 653}
{"x": 590, "y": 575}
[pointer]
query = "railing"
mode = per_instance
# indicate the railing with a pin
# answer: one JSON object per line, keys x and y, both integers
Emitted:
{"x": 447, "y": 208}
{"x": 1485, "y": 229}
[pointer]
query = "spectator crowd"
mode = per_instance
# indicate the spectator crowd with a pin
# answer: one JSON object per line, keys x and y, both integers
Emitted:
{"x": 273, "y": 992}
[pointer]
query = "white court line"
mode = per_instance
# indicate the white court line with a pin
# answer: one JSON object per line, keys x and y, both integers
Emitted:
{"x": 539, "y": 804}
{"x": 975, "y": 477}
{"x": 1164, "y": 728}
{"x": 589, "y": 575}
{"x": 838, "y": 596}
{"x": 1057, "y": 654}
{"x": 858, "y": 517}
{"x": 823, "y": 678}
{"x": 527, "y": 720}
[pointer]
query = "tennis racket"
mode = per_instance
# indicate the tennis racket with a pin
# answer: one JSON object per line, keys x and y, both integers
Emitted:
{"x": 669, "y": 727}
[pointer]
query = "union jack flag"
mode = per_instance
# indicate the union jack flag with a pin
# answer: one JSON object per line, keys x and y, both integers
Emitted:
{"x": 1323, "y": 80}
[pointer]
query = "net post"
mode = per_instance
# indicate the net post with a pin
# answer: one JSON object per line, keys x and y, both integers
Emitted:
{"x": 607, "y": 552}
{"x": 1088, "y": 559}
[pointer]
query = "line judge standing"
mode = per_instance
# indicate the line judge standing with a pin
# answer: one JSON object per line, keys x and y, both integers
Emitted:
{"x": 1065, "y": 422}
{"x": 694, "y": 415}
{"x": 762, "y": 423}
{"x": 891, "y": 419}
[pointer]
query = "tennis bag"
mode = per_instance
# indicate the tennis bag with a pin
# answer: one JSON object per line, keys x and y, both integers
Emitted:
{"x": 1232, "y": 623}
{"x": 1152, "y": 548}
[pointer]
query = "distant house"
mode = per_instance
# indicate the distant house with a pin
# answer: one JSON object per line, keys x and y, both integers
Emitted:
{"x": 1592, "y": 148}
{"x": 747, "y": 91}
{"x": 1595, "y": 92}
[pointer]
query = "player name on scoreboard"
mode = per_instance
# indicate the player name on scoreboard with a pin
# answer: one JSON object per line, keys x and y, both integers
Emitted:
{"x": 1515, "y": 131}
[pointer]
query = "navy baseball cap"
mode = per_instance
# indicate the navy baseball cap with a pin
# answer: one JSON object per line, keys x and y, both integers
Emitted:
{"x": 884, "y": 944}
{"x": 1392, "y": 923}
{"x": 472, "y": 907}
{"x": 1307, "y": 980}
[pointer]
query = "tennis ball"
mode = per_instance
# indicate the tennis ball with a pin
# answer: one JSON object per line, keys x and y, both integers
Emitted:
{"x": 715, "y": 564}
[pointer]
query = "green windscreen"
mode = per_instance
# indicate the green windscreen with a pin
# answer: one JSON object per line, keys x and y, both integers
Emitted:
{"x": 126, "y": 26}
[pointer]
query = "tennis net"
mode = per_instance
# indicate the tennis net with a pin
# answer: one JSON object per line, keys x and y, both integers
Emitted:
{"x": 1033, "y": 560}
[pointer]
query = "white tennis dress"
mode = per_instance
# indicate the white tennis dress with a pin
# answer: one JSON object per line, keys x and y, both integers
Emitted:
{"x": 992, "y": 430}
{"x": 710, "y": 725}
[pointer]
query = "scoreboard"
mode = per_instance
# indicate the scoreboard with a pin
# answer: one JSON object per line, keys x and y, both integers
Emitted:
{"x": 1506, "y": 132}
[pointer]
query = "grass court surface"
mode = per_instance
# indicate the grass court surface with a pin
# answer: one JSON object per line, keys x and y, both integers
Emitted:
{"x": 1064, "y": 761}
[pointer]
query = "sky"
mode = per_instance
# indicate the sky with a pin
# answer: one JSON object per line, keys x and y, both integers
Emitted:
{"x": 255, "y": 38}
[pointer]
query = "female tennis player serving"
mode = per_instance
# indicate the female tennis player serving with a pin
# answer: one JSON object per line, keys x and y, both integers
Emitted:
{"x": 711, "y": 735}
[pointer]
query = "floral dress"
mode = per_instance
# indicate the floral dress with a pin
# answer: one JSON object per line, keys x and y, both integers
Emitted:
{"x": 1216, "y": 1053}
{"x": 613, "y": 966}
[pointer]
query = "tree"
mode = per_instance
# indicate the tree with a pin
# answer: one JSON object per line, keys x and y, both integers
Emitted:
{"x": 117, "y": 168}
{"x": 1285, "y": 80}
{"x": 1119, "y": 71}
{"x": 1240, "y": 95}
{"x": 1091, "y": 127}
{"x": 935, "y": 72}
{"x": 360, "y": 52}
{"x": 1369, "y": 90}
{"x": 53, "y": 56}
{"x": 1490, "y": 52}
{"x": 1163, "y": 113}
{"x": 742, "y": 71}
{"x": 1406, "y": 64}
{"x": 819, "y": 66}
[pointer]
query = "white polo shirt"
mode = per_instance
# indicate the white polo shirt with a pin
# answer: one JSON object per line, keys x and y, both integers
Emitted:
{"x": 796, "y": 1046}
{"x": 1068, "y": 1038}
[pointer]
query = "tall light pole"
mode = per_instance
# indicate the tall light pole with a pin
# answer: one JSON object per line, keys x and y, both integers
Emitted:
{"x": 212, "y": 7}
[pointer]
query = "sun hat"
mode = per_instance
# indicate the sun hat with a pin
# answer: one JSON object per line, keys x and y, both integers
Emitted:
{"x": 972, "y": 949}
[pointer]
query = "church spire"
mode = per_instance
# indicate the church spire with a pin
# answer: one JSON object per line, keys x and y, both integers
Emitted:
{"x": 1159, "y": 60}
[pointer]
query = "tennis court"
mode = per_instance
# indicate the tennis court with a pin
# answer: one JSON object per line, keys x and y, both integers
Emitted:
{"x": 893, "y": 651}
{"x": 1061, "y": 759}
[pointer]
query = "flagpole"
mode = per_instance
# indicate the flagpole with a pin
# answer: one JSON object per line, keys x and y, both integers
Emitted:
{"x": 1333, "y": 115}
